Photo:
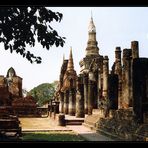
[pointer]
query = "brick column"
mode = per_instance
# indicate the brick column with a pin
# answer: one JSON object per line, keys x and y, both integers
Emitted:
{"x": 72, "y": 98}
{"x": 66, "y": 101}
{"x": 118, "y": 71}
{"x": 61, "y": 105}
{"x": 85, "y": 82}
{"x": 80, "y": 112}
{"x": 126, "y": 79}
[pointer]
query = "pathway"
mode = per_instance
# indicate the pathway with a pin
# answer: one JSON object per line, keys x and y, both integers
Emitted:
{"x": 48, "y": 124}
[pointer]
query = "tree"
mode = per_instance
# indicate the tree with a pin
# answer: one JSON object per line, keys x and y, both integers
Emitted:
{"x": 43, "y": 93}
{"x": 20, "y": 26}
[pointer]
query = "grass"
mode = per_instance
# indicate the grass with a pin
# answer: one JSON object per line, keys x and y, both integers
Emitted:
{"x": 52, "y": 136}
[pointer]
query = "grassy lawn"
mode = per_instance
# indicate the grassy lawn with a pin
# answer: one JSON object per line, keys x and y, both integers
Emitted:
{"x": 52, "y": 136}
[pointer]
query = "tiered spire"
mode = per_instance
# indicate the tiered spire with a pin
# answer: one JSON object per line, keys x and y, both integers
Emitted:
{"x": 91, "y": 27}
{"x": 92, "y": 48}
{"x": 70, "y": 61}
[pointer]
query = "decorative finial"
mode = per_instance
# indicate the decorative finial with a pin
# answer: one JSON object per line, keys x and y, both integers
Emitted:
{"x": 91, "y": 27}
{"x": 70, "y": 61}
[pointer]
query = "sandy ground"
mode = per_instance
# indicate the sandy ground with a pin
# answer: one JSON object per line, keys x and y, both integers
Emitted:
{"x": 48, "y": 124}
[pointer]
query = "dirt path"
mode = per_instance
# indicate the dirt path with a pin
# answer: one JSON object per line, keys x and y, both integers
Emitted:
{"x": 48, "y": 124}
{"x": 38, "y": 124}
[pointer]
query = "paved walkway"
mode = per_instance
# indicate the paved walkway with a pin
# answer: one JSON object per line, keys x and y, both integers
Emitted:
{"x": 88, "y": 134}
{"x": 48, "y": 124}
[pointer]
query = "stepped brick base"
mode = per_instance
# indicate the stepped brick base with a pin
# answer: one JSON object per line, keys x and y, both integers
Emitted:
{"x": 120, "y": 124}
{"x": 91, "y": 120}
{"x": 9, "y": 124}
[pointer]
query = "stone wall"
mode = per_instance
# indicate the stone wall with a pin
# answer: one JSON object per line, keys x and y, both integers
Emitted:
{"x": 140, "y": 88}
{"x": 121, "y": 124}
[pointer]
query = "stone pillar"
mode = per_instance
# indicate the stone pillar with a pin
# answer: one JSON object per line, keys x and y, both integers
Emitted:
{"x": 51, "y": 107}
{"x": 135, "y": 49}
{"x": 135, "y": 54}
{"x": 91, "y": 89}
{"x": 126, "y": 79}
{"x": 105, "y": 77}
{"x": 98, "y": 90}
{"x": 66, "y": 101}
{"x": 118, "y": 71}
{"x": 61, "y": 105}
{"x": 99, "y": 81}
{"x": 140, "y": 88}
{"x": 90, "y": 97}
{"x": 85, "y": 82}
{"x": 61, "y": 120}
{"x": 113, "y": 91}
{"x": 105, "y": 86}
{"x": 72, "y": 98}
{"x": 57, "y": 107}
{"x": 80, "y": 112}
{"x": 95, "y": 103}
{"x": 100, "y": 86}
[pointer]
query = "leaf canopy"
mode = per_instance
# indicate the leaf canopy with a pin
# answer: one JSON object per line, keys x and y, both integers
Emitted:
{"x": 21, "y": 26}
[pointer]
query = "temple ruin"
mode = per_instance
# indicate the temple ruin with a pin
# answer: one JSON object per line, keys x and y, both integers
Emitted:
{"x": 10, "y": 89}
{"x": 111, "y": 101}
{"x": 13, "y": 105}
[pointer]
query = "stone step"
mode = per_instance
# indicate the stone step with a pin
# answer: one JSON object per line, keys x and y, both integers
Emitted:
{"x": 92, "y": 119}
{"x": 108, "y": 134}
{"x": 89, "y": 126}
{"x": 69, "y": 120}
{"x": 74, "y": 122}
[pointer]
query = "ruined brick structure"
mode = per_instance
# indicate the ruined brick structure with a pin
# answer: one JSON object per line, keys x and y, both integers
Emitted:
{"x": 11, "y": 95}
{"x": 67, "y": 86}
{"x": 25, "y": 106}
{"x": 91, "y": 71}
{"x": 4, "y": 93}
{"x": 10, "y": 89}
{"x": 14, "y": 84}
{"x": 60, "y": 92}
{"x": 115, "y": 101}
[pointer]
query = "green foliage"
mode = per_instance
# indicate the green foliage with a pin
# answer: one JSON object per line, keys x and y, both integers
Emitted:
{"x": 43, "y": 93}
{"x": 20, "y": 25}
{"x": 52, "y": 136}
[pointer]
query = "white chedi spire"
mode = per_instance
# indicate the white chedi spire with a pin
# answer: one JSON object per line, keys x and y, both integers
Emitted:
{"x": 92, "y": 48}
{"x": 91, "y": 27}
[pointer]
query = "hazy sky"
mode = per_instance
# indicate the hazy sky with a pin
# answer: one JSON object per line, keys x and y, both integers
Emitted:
{"x": 115, "y": 26}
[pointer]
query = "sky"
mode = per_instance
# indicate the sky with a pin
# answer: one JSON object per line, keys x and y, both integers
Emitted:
{"x": 115, "y": 26}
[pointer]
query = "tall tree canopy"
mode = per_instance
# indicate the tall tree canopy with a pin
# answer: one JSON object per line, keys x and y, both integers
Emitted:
{"x": 43, "y": 93}
{"x": 20, "y": 26}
